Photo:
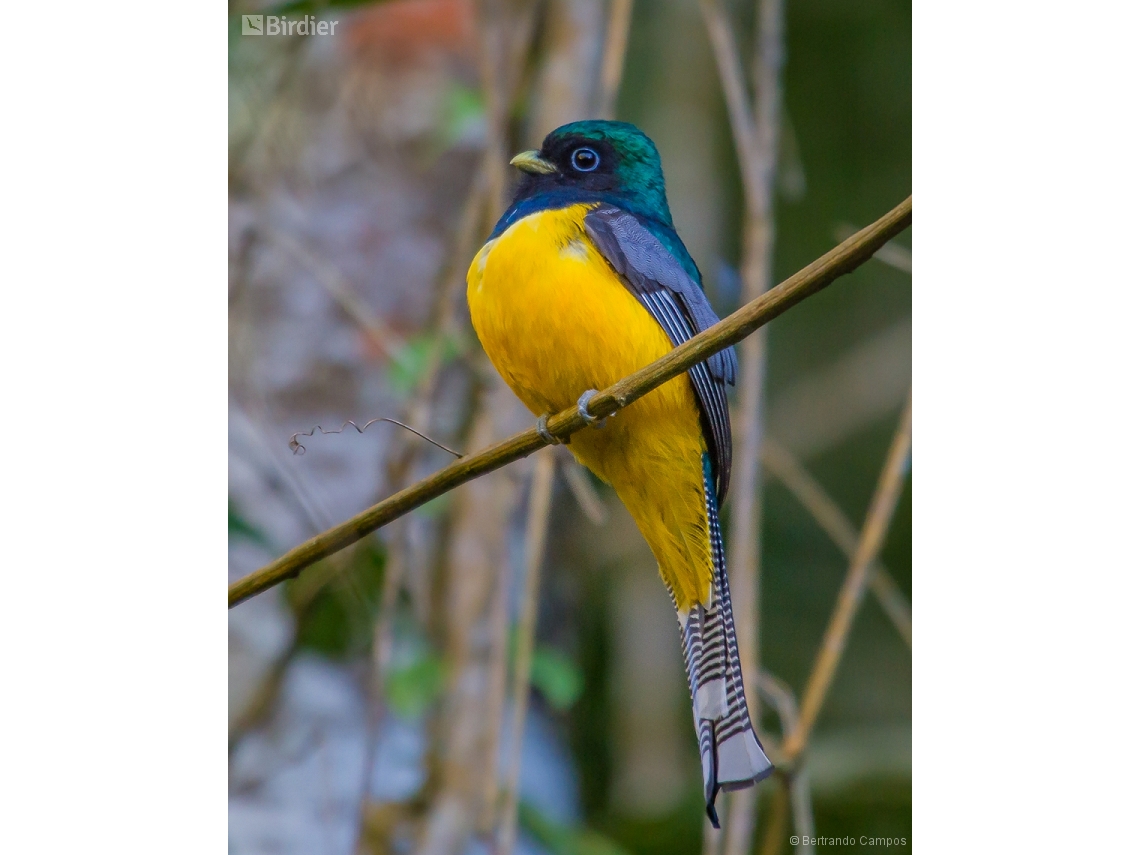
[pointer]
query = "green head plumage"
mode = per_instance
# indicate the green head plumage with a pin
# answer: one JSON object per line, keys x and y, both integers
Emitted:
{"x": 596, "y": 160}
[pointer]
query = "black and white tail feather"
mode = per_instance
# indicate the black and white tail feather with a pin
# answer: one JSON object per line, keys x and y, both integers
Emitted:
{"x": 731, "y": 755}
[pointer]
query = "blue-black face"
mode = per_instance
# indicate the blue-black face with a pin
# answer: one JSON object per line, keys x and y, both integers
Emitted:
{"x": 610, "y": 161}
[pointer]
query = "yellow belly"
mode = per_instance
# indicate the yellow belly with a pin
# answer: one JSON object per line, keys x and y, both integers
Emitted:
{"x": 555, "y": 320}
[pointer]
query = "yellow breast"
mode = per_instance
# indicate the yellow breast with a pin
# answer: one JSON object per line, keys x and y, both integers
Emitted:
{"x": 556, "y": 320}
{"x": 553, "y": 316}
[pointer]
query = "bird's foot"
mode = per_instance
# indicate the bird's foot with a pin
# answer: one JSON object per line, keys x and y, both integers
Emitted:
{"x": 544, "y": 431}
{"x": 592, "y": 421}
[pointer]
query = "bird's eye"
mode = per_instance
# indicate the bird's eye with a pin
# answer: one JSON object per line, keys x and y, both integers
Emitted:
{"x": 585, "y": 159}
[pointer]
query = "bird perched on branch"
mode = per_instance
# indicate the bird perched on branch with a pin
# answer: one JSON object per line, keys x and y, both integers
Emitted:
{"x": 582, "y": 282}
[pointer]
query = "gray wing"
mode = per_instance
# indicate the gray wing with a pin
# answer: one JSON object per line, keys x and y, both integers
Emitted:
{"x": 679, "y": 305}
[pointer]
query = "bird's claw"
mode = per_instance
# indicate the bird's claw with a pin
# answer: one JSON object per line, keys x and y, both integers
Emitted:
{"x": 544, "y": 431}
{"x": 592, "y": 421}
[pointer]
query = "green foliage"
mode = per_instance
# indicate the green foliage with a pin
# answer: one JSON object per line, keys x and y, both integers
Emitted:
{"x": 591, "y": 738}
{"x": 556, "y": 677}
{"x": 413, "y": 359}
{"x": 414, "y": 685}
{"x": 876, "y": 807}
{"x": 678, "y": 831}
{"x": 240, "y": 528}
{"x": 563, "y": 839}
{"x": 463, "y": 114}
{"x": 337, "y": 620}
{"x": 554, "y": 674}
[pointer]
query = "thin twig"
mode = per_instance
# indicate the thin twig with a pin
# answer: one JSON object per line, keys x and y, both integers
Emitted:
{"x": 871, "y": 539}
{"x": 769, "y": 69}
{"x": 445, "y": 319}
{"x": 779, "y": 696}
{"x": 338, "y": 287}
{"x": 261, "y": 704}
{"x": 300, "y": 449}
{"x": 394, "y": 570}
{"x": 803, "y": 819}
{"x": 403, "y": 456}
{"x": 756, "y": 132}
{"x": 508, "y": 30}
{"x": 756, "y": 273}
{"x": 244, "y": 161}
{"x": 741, "y": 323}
{"x": 774, "y": 834}
{"x": 613, "y": 57}
{"x": 496, "y": 693}
{"x": 711, "y": 839}
{"x": 471, "y": 623}
{"x": 735, "y": 91}
{"x": 264, "y": 700}
{"x": 793, "y": 780}
{"x": 783, "y": 464}
{"x": 473, "y": 587}
{"x": 493, "y": 57}
{"x": 583, "y": 491}
{"x": 537, "y": 524}
{"x": 283, "y": 480}
{"x": 892, "y": 254}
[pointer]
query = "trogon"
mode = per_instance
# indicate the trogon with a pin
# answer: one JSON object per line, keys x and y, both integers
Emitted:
{"x": 583, "y": 281}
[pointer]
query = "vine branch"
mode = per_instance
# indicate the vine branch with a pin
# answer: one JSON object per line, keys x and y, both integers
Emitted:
{"x": 871, "y": 540}
{"x": 811, "y": 279}
{"x": 791, "y": 473}
{"x": 296, "y": 447}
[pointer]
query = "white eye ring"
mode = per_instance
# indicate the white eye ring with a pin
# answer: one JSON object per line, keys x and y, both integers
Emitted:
{"x": 587, "y": 154}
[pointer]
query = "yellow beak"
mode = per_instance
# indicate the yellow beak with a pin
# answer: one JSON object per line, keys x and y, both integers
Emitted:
{"x": 531, "y": 161}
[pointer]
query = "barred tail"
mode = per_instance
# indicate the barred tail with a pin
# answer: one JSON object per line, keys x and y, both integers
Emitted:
{"x": 731, "y": 755}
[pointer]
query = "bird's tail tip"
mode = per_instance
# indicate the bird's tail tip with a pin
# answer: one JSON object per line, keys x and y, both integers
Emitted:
{"x": 739, "y": 762}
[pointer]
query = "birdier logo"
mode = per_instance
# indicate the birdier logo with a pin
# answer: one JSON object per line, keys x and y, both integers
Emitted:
{"x": 279, "y": 25}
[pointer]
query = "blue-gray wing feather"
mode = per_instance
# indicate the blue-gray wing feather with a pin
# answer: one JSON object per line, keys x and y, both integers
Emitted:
{"x": 680, "y": 306}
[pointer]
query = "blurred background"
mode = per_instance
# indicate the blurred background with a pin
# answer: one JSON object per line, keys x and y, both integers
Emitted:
{"x": 371, "y": 704}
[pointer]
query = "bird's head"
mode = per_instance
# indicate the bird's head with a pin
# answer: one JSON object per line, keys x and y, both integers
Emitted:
{"x": 607, "y": 160}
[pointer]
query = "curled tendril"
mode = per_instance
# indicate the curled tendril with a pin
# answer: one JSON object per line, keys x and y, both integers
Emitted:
{"x": 297, "y": 448}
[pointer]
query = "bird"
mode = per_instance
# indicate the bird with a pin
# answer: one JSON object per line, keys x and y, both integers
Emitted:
{"x": 582, "y": 281}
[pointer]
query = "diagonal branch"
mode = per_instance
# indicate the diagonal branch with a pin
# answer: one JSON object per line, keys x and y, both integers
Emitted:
{"x": 592, "y": 505}
{"x": 735, "y": 95}
{"x": 871, "y": 540}
{"x": 830, "y": 517}
{"x": 737, "y": 326}
{"x": 537, "y": 524}
{"x": 794, "y": 790}
{"x": 339, "y": 288}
